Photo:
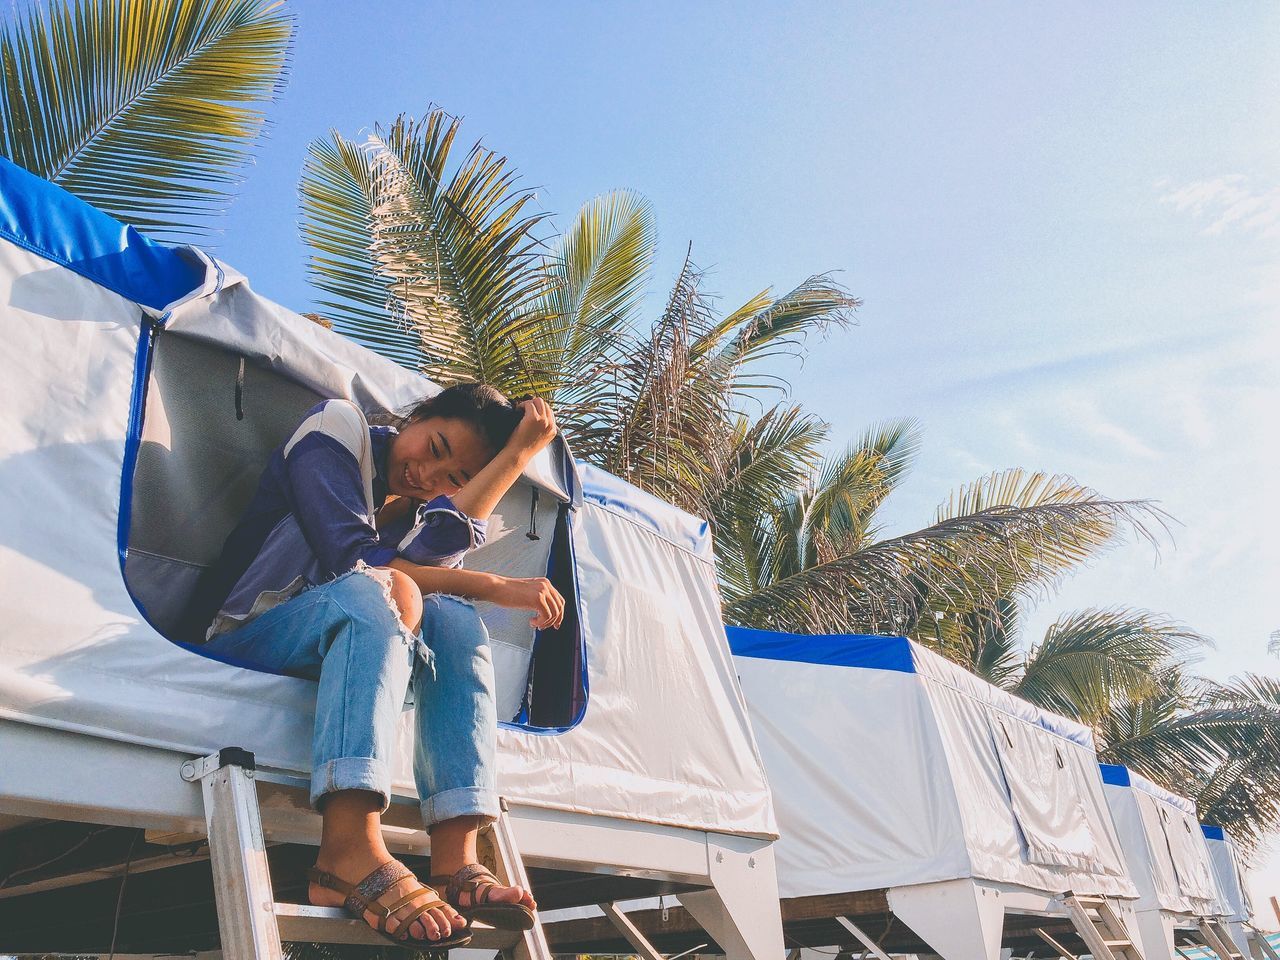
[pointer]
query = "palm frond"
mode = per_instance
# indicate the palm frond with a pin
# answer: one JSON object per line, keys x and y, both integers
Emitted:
{"x": 597, "y": 278}
{"x": 766, "y": 326}
{"x": 336, "y": 203}
{"x": 770, "y": 457}
{"x": 971, "y": 560}
{"x": 599, "y": 273}
{"x": 851, "y": 488}
{"x": 1073, "y": 523}
{"x": 1219, "y": 743}
{"x": 462, "y": 255}
{"x": 146, "y": 109}
{"x": 1090, "y": 658}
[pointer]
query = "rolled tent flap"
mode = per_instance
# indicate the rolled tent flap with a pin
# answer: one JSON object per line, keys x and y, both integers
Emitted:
{"x": 891, "y": 766}
{"x": 130, "y": 372}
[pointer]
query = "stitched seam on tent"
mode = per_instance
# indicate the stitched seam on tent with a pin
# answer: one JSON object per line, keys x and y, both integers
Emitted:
{"x": 649, "y": 530}
{"x": 1012, "y": 716}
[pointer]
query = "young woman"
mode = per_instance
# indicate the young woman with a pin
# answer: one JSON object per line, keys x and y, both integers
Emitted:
{"x": 345, "y": 569}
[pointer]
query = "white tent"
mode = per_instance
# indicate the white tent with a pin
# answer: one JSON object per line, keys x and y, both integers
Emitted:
{"x": 142, "y": 387}
{"x": 896, "y": 770}
{"x": 893, "y": 768}
{"x": 1229, "y": 879}
{"x": 1166, "y": 854}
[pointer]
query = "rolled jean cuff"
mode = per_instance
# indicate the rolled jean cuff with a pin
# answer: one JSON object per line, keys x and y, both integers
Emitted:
{"x": 351, "y": 773}
{"x": 462, "y": 802}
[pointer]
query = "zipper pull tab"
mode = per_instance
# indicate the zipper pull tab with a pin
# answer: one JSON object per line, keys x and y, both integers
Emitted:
{"x": 533, "y": 517}
{"x": 240, "y": 391}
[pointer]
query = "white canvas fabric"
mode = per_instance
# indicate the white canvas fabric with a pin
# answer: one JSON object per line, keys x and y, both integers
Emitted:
{"x": 1228, "y": 875}
{"x": 1163, "y": 845}
{"x": 665, "y": 736}
{"x": 892, "y": 766}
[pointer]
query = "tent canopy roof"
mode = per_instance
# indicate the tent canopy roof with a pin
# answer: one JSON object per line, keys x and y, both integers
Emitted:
{"x": 1121, "y": 776}
{"x": 897, "y": 654}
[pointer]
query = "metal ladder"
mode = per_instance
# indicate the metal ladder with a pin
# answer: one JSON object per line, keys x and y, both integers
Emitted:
{"x": 1101, "y": 928}
{"x": 252, "y": 924}
{"x": 1217, "y": 939}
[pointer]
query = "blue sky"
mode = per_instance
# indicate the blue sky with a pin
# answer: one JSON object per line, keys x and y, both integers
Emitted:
{"x": 1064, "y": 221}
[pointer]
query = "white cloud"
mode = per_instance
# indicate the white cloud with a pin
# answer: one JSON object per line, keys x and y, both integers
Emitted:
{"x": 1226, "y": 202}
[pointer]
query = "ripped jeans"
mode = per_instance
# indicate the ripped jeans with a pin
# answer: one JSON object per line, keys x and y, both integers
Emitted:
{"x": 347, "y": 635}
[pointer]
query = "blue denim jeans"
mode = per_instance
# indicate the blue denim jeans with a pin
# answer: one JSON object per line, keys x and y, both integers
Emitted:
{"x": 347, "y": 635}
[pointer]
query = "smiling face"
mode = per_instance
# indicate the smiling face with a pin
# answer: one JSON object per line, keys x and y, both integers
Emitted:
{"x": 435, "y": 456}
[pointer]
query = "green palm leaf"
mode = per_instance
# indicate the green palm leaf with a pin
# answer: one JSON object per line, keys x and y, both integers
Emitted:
{"x": 145, "y": 109}
{"x": 1090, "y": 658}
{"x": 462, "y": 254}
{"x": 337, "y": 200}
{"x": 1219, "y": 743}
{"x": 969, "y": 562}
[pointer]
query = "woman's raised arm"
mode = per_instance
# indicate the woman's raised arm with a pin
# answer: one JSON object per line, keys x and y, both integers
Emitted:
{"x": 536, "y": 429}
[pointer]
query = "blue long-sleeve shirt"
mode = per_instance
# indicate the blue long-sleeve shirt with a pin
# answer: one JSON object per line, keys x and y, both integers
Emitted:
{"x": 312, "y": 519}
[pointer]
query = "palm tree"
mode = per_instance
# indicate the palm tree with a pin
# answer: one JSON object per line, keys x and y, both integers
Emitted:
{"x": 438, "y": 266}
{"x": 146, "y": 109}
{"x": 816, "y": 560}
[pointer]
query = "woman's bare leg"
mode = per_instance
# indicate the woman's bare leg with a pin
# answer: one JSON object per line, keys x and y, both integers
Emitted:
{"x": 351, "y": 845}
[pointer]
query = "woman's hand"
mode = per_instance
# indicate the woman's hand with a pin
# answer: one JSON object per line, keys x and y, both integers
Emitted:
{"x": 536, "y": 428}
{"x": 534, "y": 593}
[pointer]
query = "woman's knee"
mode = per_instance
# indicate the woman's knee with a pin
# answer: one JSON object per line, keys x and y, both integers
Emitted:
{"x": 405, "y": 596}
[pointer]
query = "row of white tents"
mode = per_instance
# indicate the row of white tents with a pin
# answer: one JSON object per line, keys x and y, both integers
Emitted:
{"x": 142, "y": 386}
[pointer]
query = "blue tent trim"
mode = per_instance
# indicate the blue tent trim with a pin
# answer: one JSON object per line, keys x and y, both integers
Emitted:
{"x": 52, "y": 223}
{"x": 837, "y": 650}
{"x": 1114, "y": 774}
{"x": 1119, "y": 776}
{"x": 1212, "y": 833}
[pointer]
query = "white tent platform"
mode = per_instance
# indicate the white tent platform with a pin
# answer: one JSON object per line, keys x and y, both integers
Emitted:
{"x": 937, "y": 813}
{"x": 143, "y": 386}
{"x": 1167, "y": 858}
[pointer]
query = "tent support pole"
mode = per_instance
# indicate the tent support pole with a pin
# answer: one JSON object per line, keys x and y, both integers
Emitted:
{"x": 862, "y": 938}
{"x": 630, "y": 931}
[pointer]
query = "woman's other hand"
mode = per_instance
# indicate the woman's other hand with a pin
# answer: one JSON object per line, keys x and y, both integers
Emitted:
{"x": 536, "y": 594}
{"x": 536, "y": 428}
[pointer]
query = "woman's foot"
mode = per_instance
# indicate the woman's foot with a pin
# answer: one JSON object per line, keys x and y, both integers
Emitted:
{"x": 480, "y": 896}
{"x": 433, "y": 925}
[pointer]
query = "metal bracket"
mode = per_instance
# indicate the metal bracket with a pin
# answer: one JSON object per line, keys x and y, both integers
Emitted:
{"x": 201, "y": 767}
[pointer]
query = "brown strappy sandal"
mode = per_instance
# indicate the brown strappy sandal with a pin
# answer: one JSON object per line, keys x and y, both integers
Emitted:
{"x": 363, "y": 896}
{"x": 478, "y": 881}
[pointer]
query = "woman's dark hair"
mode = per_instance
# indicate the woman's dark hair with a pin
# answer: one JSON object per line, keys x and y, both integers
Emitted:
{"x": 477, "y": 404}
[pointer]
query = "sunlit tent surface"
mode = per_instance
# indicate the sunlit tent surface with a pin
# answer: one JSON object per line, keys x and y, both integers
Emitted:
{"x": 904, "y": 784}
{"x": 1165, "y": 849}
{"x": 1229, "y": 879}
{"x": 895, "y": 768}
{"x": 143, "y": 387}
